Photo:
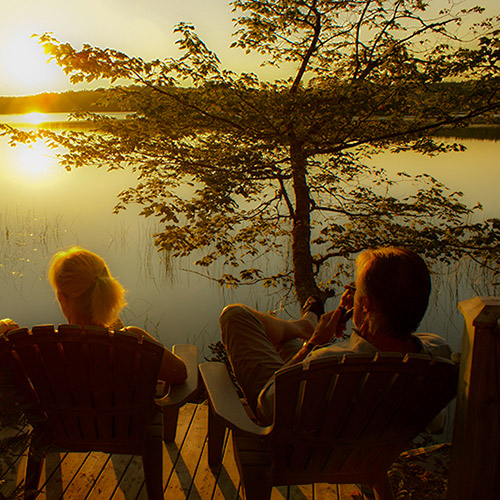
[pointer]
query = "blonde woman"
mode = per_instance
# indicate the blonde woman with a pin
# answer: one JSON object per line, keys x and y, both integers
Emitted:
{"x": 89, "y": 296}
{"x": 6, "y": 325}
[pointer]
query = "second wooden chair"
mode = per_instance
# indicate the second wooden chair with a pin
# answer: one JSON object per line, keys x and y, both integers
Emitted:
{"x": 337, "y": 420}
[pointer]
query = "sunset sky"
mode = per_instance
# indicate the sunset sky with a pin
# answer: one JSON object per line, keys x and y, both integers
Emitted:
{"x": 137, "y": 28}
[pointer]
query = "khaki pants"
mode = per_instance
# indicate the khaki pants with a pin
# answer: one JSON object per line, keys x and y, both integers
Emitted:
{"x": 253, "y": 356}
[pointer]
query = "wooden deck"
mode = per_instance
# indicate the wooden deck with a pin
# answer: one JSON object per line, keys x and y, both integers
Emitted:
{"x": 186, "y": 474}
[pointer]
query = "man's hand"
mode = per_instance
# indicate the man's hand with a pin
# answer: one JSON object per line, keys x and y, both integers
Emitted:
{"x": 346, "y": 307}
{"x": 326, "y": 328}
{"x": 6, "y": 325}
{"x": 347, "y": 299}
{"x": 330, "y": 324}
{"x": 323, "y": 333}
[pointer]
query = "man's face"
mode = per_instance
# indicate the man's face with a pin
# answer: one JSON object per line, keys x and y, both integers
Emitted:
{"x": 359, "y": 316}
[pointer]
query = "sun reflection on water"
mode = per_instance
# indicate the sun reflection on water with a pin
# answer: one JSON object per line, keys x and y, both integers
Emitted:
{"x": 35, "y": 161}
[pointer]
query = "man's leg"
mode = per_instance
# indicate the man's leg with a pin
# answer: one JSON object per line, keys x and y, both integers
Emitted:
{"x": 280, "y": 330}
{"x": 253, "y": 339}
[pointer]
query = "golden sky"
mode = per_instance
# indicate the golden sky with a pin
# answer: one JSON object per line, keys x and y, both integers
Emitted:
{"x": 137, "y": 28}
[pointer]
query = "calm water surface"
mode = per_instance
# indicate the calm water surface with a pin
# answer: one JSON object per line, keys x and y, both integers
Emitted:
{"x": 44, "y": 208}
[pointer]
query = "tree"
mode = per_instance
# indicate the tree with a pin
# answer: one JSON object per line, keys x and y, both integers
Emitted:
{"x": 236, "y": 168}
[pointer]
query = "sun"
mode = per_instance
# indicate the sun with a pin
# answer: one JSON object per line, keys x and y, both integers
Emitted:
{"x": 26, "y": 66}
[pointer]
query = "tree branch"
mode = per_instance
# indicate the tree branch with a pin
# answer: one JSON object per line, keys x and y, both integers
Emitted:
{"x": 288, "y": 202}
{"x": 357, "y": 40}
{"x": 310, "y": 51}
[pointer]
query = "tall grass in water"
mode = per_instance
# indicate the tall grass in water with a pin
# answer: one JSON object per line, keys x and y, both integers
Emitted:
{"x": 27, "y": 240}
{"x": 451, "y": 284}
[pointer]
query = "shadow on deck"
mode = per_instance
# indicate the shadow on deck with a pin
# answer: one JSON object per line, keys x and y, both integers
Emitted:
{"x": 186, "y": 475}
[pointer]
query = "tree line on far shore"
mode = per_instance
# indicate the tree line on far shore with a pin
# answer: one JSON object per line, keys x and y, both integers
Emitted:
{"x": 103, "y": 99}
{"x": 57, "y": 102}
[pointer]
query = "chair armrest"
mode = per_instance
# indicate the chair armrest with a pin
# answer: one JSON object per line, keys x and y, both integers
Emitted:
{"x": 225, "y": 402}
{"x": 180, "y": 393}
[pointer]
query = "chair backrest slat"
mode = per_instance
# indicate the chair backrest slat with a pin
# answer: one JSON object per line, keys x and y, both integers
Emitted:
{"x": 355, "y": 413}
{"x": 341, "y": 389}
{"x": 68, "y": 392}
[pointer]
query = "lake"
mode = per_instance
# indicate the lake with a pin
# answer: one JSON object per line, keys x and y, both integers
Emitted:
{"x": 44, "y": 208}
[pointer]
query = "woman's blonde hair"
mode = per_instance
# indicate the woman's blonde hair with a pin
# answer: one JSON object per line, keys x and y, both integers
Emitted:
{"x": 398, "y": 283}
{"x": 85, "y": 288}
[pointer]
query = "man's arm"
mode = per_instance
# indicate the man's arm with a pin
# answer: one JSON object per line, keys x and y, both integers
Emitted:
{"x": 325, "y": 330}
{"x": 329, "y": 325}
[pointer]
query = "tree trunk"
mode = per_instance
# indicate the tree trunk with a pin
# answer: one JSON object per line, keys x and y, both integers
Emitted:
{"x": 305, "y": 284}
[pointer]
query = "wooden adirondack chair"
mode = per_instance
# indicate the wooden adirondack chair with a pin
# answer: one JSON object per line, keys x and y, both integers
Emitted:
{"x": 339, "y": 420}
{"x": 93, "y": 390}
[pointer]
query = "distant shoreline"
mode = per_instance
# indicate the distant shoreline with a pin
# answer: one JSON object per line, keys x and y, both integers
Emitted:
{"x": 478, "y": 131}
{"x": 92, "y": 101}
{"x": 55, "y": 102}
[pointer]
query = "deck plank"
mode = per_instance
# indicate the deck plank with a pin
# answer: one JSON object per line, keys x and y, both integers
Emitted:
{"x": 228, "y": 478}
{"x": 13, "y": 476}
{"x": 301, "y": 492}
{"x": 205, "y": 478}
{"x": 186, "y": 475}
{"x": 182, "y": 479}
{"x": 131, "y": 481}
{"x": 83, "y": 482}
{"x": 324, "y": 490}
{"x": 51, "y": 482}
{"x": 132, "y": 484}
{"x": 13, "y": 467}
{"x": 351, "y": 491}
{"x": 110, "y": 477}
{"x": 58, "y": 473}
{"x": 171, "y": 451}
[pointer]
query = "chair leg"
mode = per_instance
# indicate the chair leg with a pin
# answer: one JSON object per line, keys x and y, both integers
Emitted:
{"x": 152, "y": 462}
{"x": 216, "y": 433}
{"x": 33, "y": 470}
{"x": 170, "y": 416}
{"x": 256, "y": 484}
{"x": 383, "y": 489}
{"x": 254, "y": 466}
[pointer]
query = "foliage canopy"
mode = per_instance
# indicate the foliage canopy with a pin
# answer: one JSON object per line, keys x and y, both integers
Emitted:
{"x": 237, "y": 169}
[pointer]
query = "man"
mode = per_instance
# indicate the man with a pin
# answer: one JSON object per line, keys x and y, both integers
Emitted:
{"x": 389, "y": 300}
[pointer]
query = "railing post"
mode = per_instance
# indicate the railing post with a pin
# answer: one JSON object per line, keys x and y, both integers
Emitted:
{"x": 475, "y": 460}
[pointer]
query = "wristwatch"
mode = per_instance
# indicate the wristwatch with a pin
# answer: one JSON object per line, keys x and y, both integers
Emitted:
{"x": 309, "y": 346}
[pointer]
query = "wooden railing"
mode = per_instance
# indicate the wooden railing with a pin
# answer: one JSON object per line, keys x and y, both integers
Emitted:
{"x": 475, "y": 462}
